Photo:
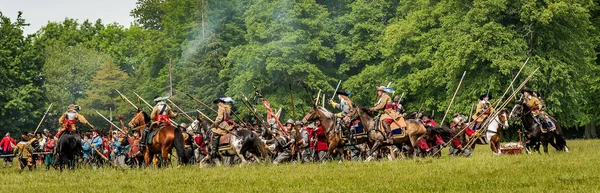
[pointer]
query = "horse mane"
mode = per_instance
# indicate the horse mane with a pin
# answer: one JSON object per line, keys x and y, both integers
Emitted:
{"x": 146, "y": 117}
{"x": 326, "y": 112}
{"x": 366, "y": 110}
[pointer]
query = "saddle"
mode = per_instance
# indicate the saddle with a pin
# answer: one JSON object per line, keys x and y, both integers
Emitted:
{"x": 151, "y": 135}
{"x": 398, "y": 127}
{"x": 225, "y": 141}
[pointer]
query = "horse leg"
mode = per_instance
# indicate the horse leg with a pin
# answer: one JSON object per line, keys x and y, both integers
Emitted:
{"x": 373, "y": 151}
{"x": 165, "y": 156}
{"x": 495, "y": 144}
{"x": 545, "y": 146}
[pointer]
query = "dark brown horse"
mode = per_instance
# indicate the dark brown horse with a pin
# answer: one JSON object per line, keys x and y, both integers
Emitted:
{"x": 163, "y": 142}
{"x": 534, "y": 134}
{"x": 415, "y": 131}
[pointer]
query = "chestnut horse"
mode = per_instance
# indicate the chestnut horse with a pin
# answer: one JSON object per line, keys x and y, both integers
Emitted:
{"x": 328, "y": 121}
{"x": 415, "y": 131}
{"x": 163, "y": 142}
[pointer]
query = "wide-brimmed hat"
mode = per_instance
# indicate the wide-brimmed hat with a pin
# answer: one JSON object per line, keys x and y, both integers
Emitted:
{"x": 526, "y": 90}
{"x": 489, "y": 95}
{"x": 219, "y": 100}
{"x": 381, "y": 88}
{"x": 342, "y": 92}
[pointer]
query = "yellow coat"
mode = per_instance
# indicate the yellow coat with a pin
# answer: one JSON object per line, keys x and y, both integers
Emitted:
{"x": 534, "y": 104}
{"x": 384, "y": 100}
{"x": 482, "y": 109}
{"x": 222, "y": 113}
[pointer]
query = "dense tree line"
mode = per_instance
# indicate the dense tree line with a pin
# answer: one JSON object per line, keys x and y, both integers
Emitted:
{"x": 228, "y": 47}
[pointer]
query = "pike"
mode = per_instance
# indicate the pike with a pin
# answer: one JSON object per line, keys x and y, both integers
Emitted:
{"x": 318, "y": 95}
{"x": 139, "y": 97}
{"x": 198, "y": 101}
{"x": 471, "y": 112}
{"x": 336, "y": 89}
{"x": 183, "y": 112}
{"x": 453, "y": 96}
{"x": 293, "y": 106}
{"x": 43, "y": 117}
{"x": 401, "y": 97}
{"x": 114, "y": 125}
{"x": 126, "y": 99}
{"x": 205, "y": 116}
{"x": 253, "y": 110}
{"x": 485, "y": 125}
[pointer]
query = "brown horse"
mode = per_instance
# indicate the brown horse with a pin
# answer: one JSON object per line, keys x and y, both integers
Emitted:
{"x": 163, "y": 142}
{"x": 328, "y": 121}
{"x": 415, "y": 131}
{"x": 492, "y": 132}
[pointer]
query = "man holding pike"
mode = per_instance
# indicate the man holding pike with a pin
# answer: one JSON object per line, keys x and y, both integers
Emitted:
{"x": 69, "y": 120}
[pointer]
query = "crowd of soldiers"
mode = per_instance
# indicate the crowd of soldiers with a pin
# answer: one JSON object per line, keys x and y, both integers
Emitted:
{"x": 296, "y": 142}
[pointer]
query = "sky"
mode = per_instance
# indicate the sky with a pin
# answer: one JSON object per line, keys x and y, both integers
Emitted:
{"x": 38, "y": 12}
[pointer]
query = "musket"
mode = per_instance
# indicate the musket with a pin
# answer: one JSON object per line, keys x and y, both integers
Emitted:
{"x": 126, "y": 99}
{"x": 111, "y": 123}
{"x": 43, "y": 117}
{"x": 336, "y": 89}
{"x": 183, "y": 112}
{"x": 453, "y": 96}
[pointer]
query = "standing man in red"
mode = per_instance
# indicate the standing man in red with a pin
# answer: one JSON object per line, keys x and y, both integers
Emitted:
{"x": 7, "y": 145}
{"x": 321, "y": 141}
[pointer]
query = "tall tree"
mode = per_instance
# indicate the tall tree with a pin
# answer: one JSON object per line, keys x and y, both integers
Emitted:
{"x": 21, "y": 97}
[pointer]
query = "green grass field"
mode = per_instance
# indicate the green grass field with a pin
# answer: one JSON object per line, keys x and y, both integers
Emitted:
{"x": 576, "y": 171}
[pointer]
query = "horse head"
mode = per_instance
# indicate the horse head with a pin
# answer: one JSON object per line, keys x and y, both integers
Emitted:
{"x": 312, "y": 115}
{"x": 140, "y": 118}
{"x": 503, "y": 118}
{"x": 517, "y": 110}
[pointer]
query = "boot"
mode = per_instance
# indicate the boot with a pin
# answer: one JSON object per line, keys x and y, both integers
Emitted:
{"x": 215, "y": 144}
{"x": 388, "y": 131}
{"x": 144, "y": 136}
{"x": 542, "y": 121}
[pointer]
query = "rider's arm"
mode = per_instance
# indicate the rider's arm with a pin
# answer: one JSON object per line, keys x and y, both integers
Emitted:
{"x": 220, "y": 116}
{"x": 61, "y": 120}
{"x": 171, "y": 113}
{"x": 382, "y": 103}
{"x": 153, "y": 114}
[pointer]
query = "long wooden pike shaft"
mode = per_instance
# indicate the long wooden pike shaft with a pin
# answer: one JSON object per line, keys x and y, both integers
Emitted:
{"x": 205, "y": 116}
{"x": 126, "y": 99}
{"x": 43, "y": 117}
{"x": 182, "y": 112}
{"x": 453, "y": 96}
{"x": 114, "y": 125}
{"x": 142, "y": 99}
{"x": 198, "y": 101}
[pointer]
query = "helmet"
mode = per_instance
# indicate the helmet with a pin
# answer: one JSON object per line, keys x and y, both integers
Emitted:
{"x": 183, "y": 125}
{"x": 299, "y": 123}
{"x": 290, "y": 121}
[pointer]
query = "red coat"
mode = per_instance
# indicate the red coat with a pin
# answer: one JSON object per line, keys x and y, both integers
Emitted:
{"x": 321, "y": 139}
{"x": 49, "y": 145}
{"x": 6, "y": 144}
{"x": 199, "y": 140}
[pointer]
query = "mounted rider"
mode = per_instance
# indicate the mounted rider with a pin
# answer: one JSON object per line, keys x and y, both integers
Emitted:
{"x": 69, "y": 120}
{"x": 537, "y": 109}
{"x": 482, "y": 112}
{"x": 222, "y": 125}
{"x": 388, "y": 116}
{"x": 161, "y": 113}
{"x": 345, "y": 105}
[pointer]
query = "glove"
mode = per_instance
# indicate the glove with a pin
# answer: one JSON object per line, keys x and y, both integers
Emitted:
{"x": 332, "y": 103}
{"x": 120, "y": 117}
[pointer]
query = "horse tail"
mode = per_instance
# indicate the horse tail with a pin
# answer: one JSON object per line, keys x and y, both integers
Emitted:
{"x": 179, "y": 147}
{"x": 561, "y": 143}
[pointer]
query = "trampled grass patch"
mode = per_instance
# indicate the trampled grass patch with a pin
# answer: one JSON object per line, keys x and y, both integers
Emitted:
{"x": 576, "y": 171}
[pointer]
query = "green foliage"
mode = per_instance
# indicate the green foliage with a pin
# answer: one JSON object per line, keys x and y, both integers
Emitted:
{"x": 21, "y": 96}
{"x": 227, "y": 47}
{"x": 102, "y": 95}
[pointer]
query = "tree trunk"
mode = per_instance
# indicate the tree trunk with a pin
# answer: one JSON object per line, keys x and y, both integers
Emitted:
{"x": 590, "y": 131}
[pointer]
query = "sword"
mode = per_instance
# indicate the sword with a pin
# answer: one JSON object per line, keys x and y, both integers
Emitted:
{"x": 401, "y": 97}
{"x": 336, "y": 89}
{"x": 114, "y": 125}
